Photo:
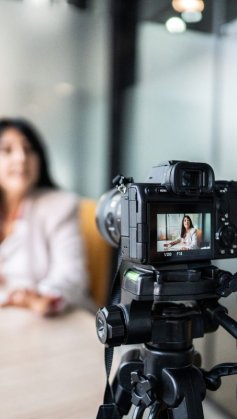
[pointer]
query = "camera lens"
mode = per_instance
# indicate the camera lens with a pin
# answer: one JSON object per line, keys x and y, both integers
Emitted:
{"x": 108, "y": 216}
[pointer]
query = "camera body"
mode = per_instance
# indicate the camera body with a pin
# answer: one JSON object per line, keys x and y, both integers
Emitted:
{"x": 153, "y": 215}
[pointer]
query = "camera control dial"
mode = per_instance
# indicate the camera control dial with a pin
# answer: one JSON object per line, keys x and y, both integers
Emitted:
{"x": 227, "y": 235}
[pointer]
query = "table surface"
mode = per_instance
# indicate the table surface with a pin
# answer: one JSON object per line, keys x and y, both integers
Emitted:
{"x": 50, "y": 368}
{"x": 54, "y": 368}
{"x": 161, "y": 247}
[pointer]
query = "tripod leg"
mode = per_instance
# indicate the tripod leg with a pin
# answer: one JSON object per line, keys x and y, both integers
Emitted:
{"x": 138, "y": 412}
{"x": 185, "y": 412}
{"x": 184, "y": 390}
{"x": 181, "y": 412}
{"x": 156, "y": 412}
{"x": 108, "y": 411}
{"x": 122, "y": 386}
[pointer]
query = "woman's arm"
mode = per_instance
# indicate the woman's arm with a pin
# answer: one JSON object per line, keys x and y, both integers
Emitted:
{"x": 173, "y": 243}
{"x": 66, "y": 278}
{"x": 55, "y": 218}
{"x": 41, "y": 304}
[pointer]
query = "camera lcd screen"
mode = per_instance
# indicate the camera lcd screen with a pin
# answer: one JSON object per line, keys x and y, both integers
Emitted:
{"x": 180, "y": 233}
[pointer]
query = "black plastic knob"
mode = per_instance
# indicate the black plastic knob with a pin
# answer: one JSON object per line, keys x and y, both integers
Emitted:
{"x": 142, "y": 390}
{"x": 110, "y": 325}
{"x": 227, "y": 235}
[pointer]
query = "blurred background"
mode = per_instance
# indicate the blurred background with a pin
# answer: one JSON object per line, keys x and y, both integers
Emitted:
{"x": 118, "y": 86}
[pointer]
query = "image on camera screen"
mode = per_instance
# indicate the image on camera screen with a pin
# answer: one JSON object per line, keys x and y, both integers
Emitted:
{"x": 183, "y": 232}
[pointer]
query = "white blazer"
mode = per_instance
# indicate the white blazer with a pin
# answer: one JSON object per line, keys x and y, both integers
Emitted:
{"x": 190, "y": 240}
{"x": 45, "y": 251}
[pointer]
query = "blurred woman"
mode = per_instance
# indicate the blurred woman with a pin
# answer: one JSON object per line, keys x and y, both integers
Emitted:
{"x": 41, "y": 253}
{"x": 188, "y": 236}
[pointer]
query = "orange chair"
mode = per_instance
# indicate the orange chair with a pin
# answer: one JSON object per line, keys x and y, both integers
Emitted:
{"x": 98, "y": 252}
{"x": 199, "y": 237}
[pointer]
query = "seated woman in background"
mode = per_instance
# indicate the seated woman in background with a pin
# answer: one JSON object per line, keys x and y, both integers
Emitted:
{"x": 41, "y": 253}
{"x": 188, "y": 236}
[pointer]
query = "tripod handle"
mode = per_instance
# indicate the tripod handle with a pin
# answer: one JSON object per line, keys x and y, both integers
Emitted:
{"x": 213, "y": 377}
{"x": 218, "y": 314}
{"x": 226, "y": 321}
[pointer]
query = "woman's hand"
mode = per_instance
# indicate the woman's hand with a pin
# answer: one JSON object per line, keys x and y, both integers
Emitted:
{"x": 42, "y": 304}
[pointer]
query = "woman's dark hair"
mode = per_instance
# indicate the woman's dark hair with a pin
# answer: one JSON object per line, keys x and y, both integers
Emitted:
{"x": 183, "y": 230}
{"x": 36, "y": 142}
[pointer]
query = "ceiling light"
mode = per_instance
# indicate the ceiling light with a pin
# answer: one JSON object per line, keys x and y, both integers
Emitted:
{"x": 175, "y": 25}
{"x": 188, "y": 5}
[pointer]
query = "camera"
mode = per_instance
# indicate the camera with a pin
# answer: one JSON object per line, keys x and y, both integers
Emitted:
{"x": 179, "y": 215}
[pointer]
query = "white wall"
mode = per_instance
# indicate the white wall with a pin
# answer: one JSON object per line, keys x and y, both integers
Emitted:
{"x": 170, "y": 109}
{"x": 228, "y": 145}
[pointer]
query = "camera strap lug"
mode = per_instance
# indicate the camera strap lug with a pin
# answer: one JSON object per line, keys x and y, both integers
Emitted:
{"x": 120, "y": 182}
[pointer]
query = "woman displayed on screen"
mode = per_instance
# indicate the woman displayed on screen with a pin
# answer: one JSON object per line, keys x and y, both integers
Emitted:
{"x": 188, "y": 236}
{"x": 41, "y": 252}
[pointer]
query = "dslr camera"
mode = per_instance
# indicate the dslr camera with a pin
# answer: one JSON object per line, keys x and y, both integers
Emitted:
{"x": 179, "y": 215}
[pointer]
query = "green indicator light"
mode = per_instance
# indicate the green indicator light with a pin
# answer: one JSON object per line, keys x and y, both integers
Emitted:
{"x": 132, "y": 275}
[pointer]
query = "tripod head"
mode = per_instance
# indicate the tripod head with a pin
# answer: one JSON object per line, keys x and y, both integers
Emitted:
{"x": 150, "y": 295}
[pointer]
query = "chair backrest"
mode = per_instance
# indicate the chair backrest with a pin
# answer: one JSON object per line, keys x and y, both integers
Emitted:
{"x": 199, "y": 237}
{"x": 98, "y": 252}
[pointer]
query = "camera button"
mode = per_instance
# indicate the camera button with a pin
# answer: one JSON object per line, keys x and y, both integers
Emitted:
{"x": 149, "y": 190}
{"x": 162, "y": 190}
{"x": 231, "y": 251}
{"x": 222, "y": 251}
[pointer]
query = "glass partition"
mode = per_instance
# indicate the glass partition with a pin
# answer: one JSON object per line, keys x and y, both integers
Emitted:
{"x": 54, "y": 72}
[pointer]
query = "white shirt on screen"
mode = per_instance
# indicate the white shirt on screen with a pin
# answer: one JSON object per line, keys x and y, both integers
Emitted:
{"x": 190, "y": 239}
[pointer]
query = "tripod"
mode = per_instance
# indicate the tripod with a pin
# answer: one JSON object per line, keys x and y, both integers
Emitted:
{"x": 165, "y": 376}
